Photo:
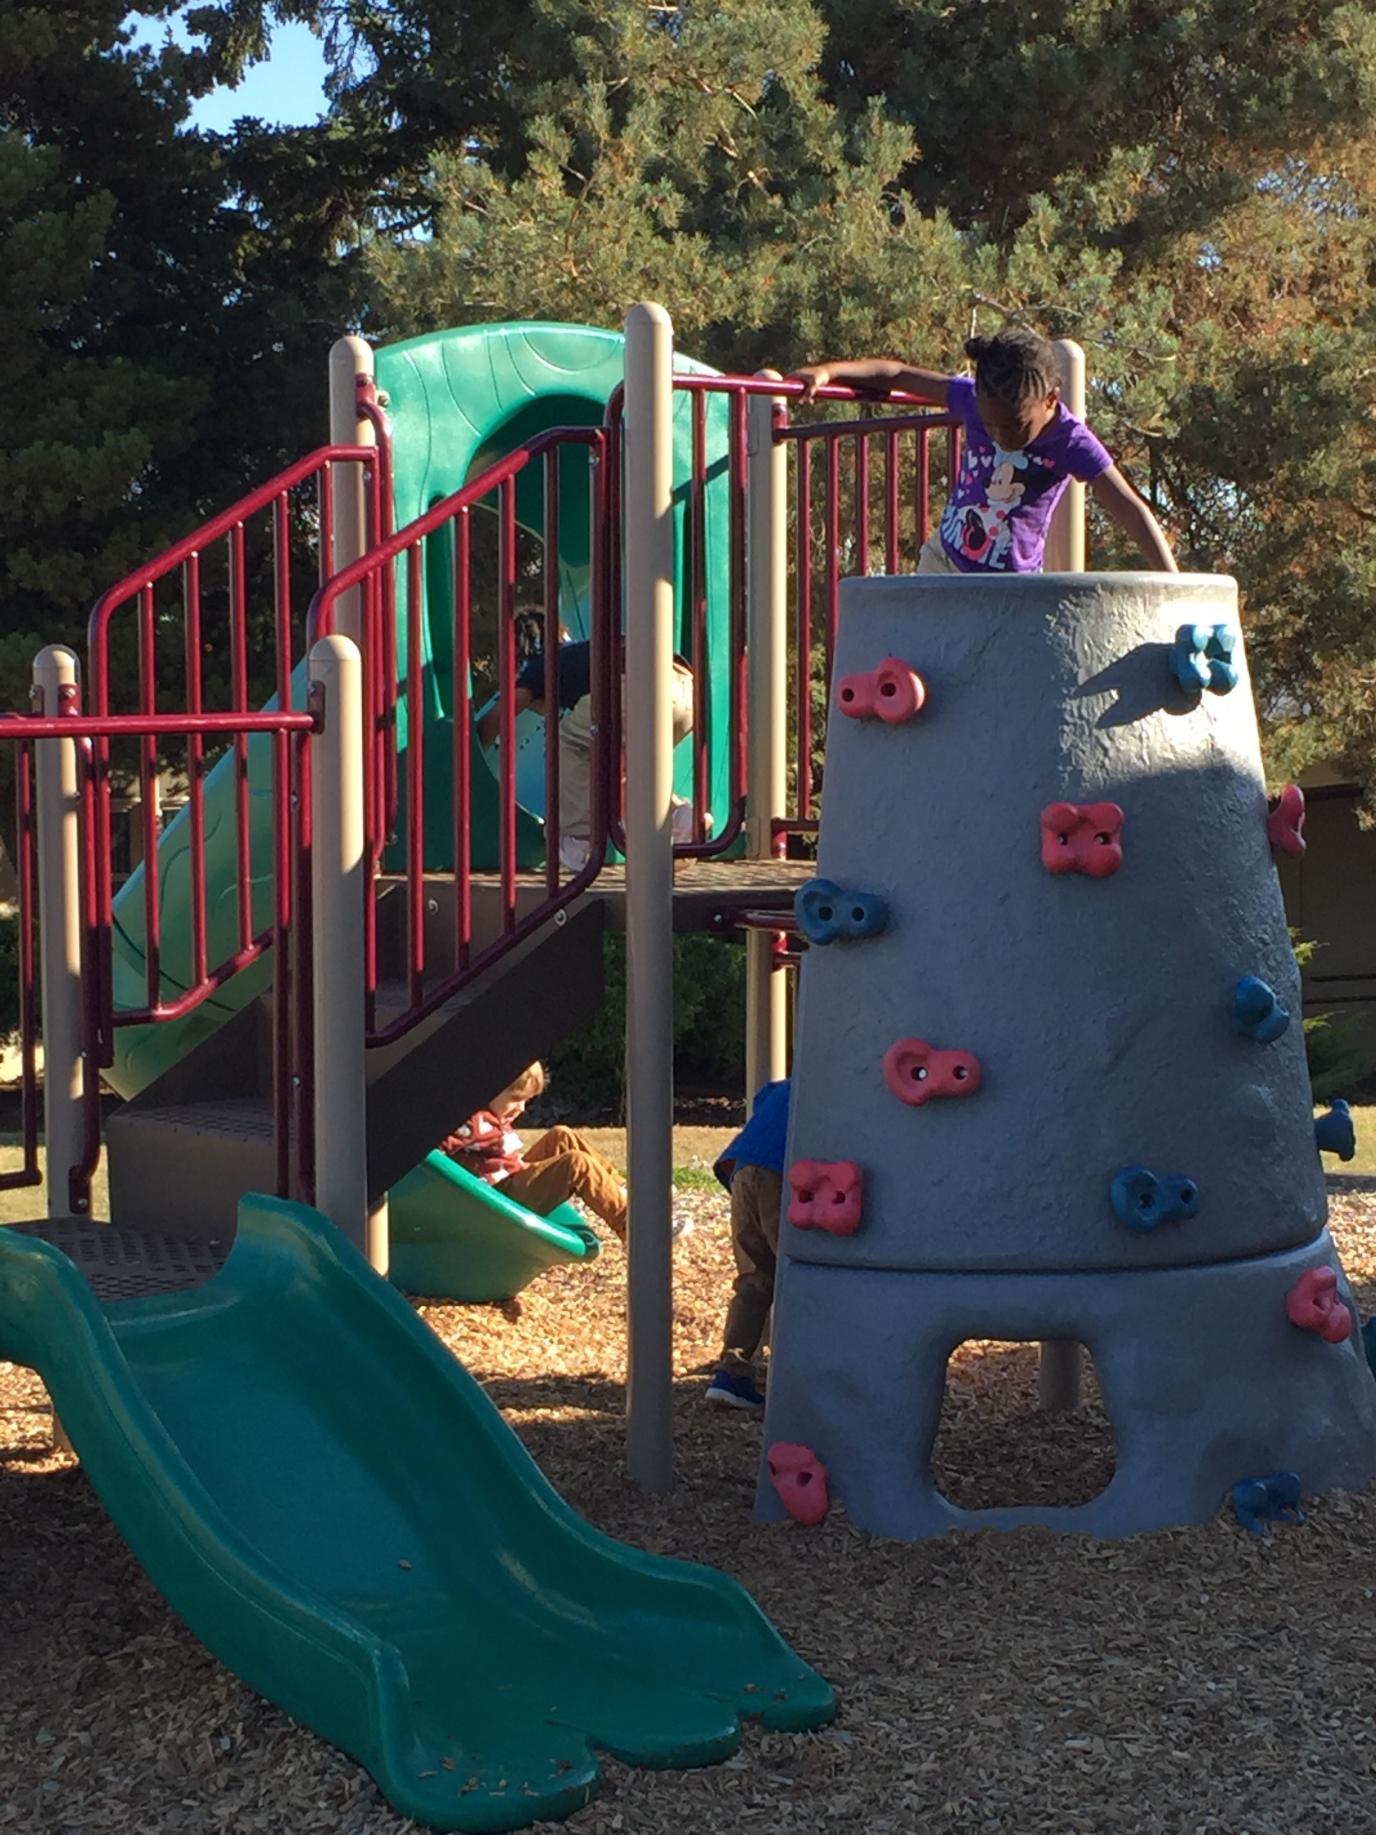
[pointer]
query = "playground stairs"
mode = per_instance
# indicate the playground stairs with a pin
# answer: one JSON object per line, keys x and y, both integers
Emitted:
{"x": 182, "y": 1152}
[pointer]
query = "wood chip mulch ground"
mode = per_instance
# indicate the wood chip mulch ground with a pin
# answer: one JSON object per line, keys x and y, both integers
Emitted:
{"x": 1189, "y": 1681}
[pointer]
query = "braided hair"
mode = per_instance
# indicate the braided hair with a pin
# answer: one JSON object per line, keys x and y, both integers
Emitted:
{"x": 1014, "y": 364}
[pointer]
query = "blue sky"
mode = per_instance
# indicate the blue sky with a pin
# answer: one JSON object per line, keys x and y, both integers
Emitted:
{"x": 286, "y": 90}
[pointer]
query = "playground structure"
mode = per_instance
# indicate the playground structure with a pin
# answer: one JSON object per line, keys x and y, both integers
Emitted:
{"x": 1052, "y": 1092}
{"x": 356, "y": 930}
{"x": 295, "y": 994}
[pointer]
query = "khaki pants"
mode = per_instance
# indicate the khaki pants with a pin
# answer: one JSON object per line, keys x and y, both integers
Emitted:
{"x": 756, "y": 1198}
{"x": 561, "y": 1165}
{"x": 934, "y": 558}
{"x": 575, "y": 756}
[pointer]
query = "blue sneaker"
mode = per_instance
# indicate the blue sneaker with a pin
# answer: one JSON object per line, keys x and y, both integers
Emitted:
{"x": 728, "y": 1391}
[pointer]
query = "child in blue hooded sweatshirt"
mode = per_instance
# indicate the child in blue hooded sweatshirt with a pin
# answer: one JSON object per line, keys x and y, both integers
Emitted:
{"x": 752, "y": 1170}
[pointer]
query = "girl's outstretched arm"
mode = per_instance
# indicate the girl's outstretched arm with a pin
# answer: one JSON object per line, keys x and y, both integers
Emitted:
{"x": 1114, "y": 494}
{"x": 878, "y": 373}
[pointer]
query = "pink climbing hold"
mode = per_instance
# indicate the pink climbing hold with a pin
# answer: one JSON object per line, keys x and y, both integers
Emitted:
{"x": 1285, "y": 824}
{"x": 826, "y": 1196}
{"x": 800, "y": 1479}
{"x": 1314, "y": 1306}
{"x": 1082, "y": 838}
{"x": 893, "y": 692}
{"x": 916, "y": 1072}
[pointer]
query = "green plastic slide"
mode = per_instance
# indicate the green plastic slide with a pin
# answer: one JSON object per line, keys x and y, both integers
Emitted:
{"x": 453, "y": 1237}
{"x": 335, "y": 1508}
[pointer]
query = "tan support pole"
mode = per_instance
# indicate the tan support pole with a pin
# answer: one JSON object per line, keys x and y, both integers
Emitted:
{"x": 350, "y": 358}
{"x": 58, "y": 811}
{"x": 337, "y": 884}
{"x": 649, "y": 538}
{"x": 766, "y": 628}
{"x": 1058, "y": 1375}
{"x": 1065, "y": 540}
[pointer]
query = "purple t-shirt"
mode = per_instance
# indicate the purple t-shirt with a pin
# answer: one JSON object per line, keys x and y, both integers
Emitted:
{"x": 1001, "y": 503}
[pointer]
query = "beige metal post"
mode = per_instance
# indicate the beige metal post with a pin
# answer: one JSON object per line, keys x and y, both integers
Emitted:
{"x": 766, "y": 992}
{"x": 350, "y": 358}
{"x": 1058, "y": 1376}
{"x": 649, "y": 538}
{"x": 337, "y": 878}
{"x": 1065, "y": 540}
{"x": 59, "y": 903}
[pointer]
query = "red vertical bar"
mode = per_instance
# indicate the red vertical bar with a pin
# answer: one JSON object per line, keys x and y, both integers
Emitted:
{"x": 803, "y": 582}
{"x": 697, "y": 512}
{"x": 551, "y": 577}
{"x": 148, "y": 774}
{"x": 415, "y": 782}
{"x": 506, "y": 691}
{"x": 295, "y": 1014}
{"x": 890, "y": 503}
{"x": 281, "y": 595}
{"x": 862, "y": 503}
{"x": 923, "y": 506}
{"x": 952, "y": 458}
{"x": 238, "y": 665}
{"x": 195, "y": 766}
{"x": 463, "y": 741}
{"x": 740, "y": 472}
{"x": 93, "y": 844}
{"x": 602, "y": 635}
{"x": 28, "y": 1006}
{"x": 616, "y": 651}
{"x": 282, "y": 868}
{"x": 833, "y": 551}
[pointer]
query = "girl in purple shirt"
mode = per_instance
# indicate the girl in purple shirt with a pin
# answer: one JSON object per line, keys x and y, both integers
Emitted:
{"x": 1022, "y": 445}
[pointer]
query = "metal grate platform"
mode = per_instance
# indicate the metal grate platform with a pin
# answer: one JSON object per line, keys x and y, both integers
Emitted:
{"x": 125, "y": 1264}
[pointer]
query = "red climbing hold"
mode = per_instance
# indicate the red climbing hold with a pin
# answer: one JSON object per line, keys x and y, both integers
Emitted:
{"x": 892, "y": 692}
{"x": 1314, "y": 1306}
{"x": 1285, "y": 824}
{"x": 800, "y": 1479}
{"x": 1082, "y": 838}
{"x": 826, "y": 1196}
{"x": 916, "y": 1072}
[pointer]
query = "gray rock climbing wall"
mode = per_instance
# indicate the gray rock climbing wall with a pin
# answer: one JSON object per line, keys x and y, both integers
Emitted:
{"x": 1095, "y": 1020}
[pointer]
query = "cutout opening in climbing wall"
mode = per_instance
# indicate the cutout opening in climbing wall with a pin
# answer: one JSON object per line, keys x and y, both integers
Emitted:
{"x": 996, "y": 1447}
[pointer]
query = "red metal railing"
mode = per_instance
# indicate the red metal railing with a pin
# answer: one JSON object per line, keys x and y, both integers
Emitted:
{"x": 89, "y": 732}
{"x": 271, "y": 511}
{"x": 904, "y": 497}
{"x": 879, "y": 503}
{"x": 447, "y": 529}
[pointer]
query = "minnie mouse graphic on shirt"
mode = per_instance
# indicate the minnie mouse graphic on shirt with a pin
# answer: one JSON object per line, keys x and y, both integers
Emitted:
{"x": 1001, "y": 502}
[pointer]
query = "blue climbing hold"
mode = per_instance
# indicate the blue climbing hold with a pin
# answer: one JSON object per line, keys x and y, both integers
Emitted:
{"x": 1275, "y": 1499}
{"x": 1257, "y": 1012}
{"x": 1202, "y": 657}
{"x": 828, "y": 913}
{"x": 1335, "y": 1133}
{"x": 1142, "y": 1201}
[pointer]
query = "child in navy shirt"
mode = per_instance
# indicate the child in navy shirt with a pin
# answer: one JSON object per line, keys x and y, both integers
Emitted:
{"x": 1022, "y": 446}
{"x": 752, "y": 1170}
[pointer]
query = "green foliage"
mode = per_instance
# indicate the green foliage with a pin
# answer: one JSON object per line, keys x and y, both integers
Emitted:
{"x": 587, "y": 1072}
{"x": 1338, "y": 1059}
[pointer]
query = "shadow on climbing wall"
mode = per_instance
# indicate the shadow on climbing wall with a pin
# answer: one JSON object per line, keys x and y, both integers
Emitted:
{"x": 995, "y": 1448}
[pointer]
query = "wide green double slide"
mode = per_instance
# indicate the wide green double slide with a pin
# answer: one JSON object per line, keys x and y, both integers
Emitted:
{"x": 336, "y": 1509}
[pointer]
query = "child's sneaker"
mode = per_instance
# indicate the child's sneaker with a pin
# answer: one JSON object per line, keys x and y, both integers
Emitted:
{"x": 728, "y": 1391}
{"x": 682, "y": 1225}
